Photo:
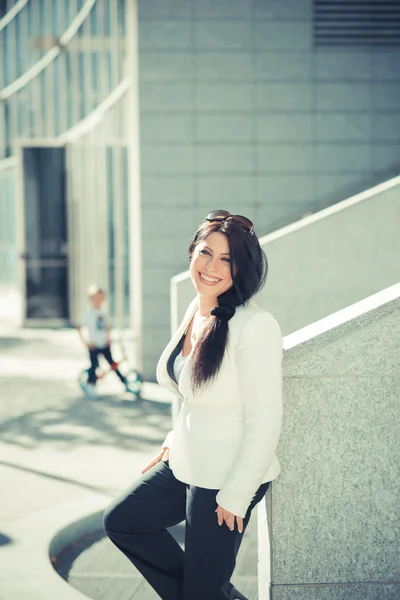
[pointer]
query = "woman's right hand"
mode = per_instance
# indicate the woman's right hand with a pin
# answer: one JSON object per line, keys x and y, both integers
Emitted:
{"x": 163, "y": 455}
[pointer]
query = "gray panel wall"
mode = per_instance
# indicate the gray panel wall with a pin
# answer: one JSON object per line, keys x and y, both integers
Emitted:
{"x": 335, "y": 510}
{"x": 238, "y": 111}
{"x": 332, "y": 263}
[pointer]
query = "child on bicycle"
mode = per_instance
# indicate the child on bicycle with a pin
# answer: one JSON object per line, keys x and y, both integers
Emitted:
{"x": 97, "y": 338}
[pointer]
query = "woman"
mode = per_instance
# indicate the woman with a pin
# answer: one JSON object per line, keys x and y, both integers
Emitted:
{"x": 225, "y": 364}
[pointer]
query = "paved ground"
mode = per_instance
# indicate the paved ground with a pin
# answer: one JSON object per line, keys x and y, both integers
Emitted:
{"x": 63, "y": 458}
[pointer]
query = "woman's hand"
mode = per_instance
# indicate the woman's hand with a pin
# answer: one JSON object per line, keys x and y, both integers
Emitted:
{"x": 229, "y": 518}
{"x": 162, "y": 455}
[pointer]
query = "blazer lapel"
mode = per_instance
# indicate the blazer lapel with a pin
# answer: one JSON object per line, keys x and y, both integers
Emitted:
{"x": 163, "y": 377}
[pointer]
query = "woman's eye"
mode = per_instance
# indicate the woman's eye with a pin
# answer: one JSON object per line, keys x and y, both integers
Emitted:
{"x": 228, "y": 260}
{"x": 204, "y": 252}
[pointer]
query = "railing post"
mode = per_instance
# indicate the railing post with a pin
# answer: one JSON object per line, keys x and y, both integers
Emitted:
{"x": 264, "y": 571}
{"x": 134, "y": 188}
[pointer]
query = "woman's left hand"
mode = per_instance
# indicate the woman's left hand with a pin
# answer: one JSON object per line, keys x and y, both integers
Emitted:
{"x": 229, "y": 518}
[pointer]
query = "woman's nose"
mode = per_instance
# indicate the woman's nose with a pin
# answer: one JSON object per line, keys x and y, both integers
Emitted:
{"x": 211, "y": 264}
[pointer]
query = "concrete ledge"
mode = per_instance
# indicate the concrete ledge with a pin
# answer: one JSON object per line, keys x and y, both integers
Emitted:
{"x": 334, "y": 527}
{"x": 69, "y": 534}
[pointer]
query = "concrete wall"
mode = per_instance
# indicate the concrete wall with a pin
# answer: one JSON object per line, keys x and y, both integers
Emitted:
{"x": 327, "y": 261}
{"x": 8, "y": 254}
{"x": 335, "y": 507}
{"x": 240, "y": 111}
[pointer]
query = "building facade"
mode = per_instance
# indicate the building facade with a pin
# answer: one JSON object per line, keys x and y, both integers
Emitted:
{"x": 265, "y": 108}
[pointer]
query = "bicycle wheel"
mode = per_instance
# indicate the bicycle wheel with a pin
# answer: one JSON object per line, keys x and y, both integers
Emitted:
{"x": 83, "y": 379}
{"x": 134, "y": 383}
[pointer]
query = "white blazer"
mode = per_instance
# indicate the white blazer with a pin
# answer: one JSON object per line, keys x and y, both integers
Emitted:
{"x": 226, "y": 434}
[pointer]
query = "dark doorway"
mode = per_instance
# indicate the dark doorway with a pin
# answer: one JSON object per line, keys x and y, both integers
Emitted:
{"x": 45, "y": 234}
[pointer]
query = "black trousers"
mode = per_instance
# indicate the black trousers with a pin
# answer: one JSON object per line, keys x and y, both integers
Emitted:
{"x": 94, "y": 363}
{"x": 136, "y": 523}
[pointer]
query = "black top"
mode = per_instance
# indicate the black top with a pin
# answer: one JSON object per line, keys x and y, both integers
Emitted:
{"x": 171, "y": 360}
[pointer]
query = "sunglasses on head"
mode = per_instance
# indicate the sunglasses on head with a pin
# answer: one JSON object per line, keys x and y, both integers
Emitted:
{"x": 223, "y": 215}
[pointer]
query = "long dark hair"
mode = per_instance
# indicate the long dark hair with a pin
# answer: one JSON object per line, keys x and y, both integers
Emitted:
{"x": 249, "y": 268}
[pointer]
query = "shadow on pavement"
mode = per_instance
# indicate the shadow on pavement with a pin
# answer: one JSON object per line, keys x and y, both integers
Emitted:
{"x": 37, "y": 411}
{"x": 93, "y": 565}
{"x": 8, "y": 343}
{"x": 5, "y": 540}
{"x": 28, "y": 340}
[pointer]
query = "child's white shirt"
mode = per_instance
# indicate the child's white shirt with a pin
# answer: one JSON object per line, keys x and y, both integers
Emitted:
{"x": 96, "y": 323}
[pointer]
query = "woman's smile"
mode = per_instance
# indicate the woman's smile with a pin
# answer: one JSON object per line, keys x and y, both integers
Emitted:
{"x": 207, "y": 280}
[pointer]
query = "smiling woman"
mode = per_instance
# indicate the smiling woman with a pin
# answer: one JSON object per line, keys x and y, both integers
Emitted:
{"x": 225, "y": 363}
{"x": 227, "y": 267}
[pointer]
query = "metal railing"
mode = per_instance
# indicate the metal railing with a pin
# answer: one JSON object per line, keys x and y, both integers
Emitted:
{"x": 12, "y": 13}
{"x": 62, "y": 73}
{"x": 62, "y": 61}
